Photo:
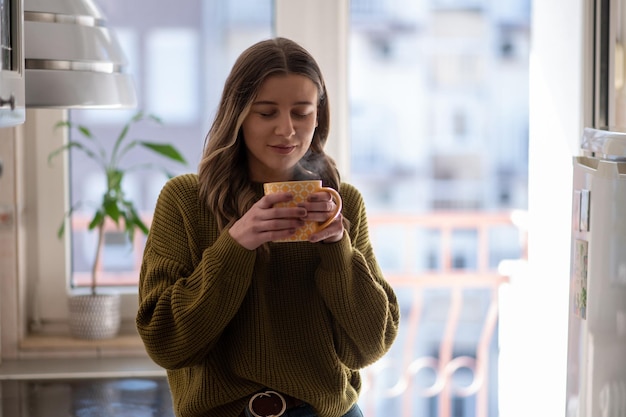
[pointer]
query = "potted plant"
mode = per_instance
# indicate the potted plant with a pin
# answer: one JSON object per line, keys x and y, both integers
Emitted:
{"x": 97, "y": 315}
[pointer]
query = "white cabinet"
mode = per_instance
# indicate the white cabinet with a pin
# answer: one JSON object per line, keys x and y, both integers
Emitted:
{"x": 12, "y": 110}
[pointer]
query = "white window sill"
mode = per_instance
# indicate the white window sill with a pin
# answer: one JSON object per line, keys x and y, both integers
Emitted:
{"x": 65, "y": 346}
{"x": 68, "y": 368}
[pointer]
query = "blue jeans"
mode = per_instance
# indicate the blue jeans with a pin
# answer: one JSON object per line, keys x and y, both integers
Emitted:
{"x": 307, "y": 411}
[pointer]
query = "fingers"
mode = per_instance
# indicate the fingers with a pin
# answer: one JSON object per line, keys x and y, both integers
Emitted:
{"x": 332, "y": 233}
{"x": 264, "y": 222}
{"x": 267, "y": 217}
{"x": 320, "y": 196}
{"x": 319, "y": 207}
{"x": 269, "y": 200}
{"x": 269, "y": 220}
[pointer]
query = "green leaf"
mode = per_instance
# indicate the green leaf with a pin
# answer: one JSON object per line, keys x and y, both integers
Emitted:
{"x": 97, "y": 220}
{"x": 62, "y": 123}
{"x": 123, "y": 133}
{"x": 156, "y": 119}
{"x": 111, "y": 209}
{"x": 118, "y": 142}
{"x": 137, "y": 117}
{"x": 77, "y": 145}
{"x": 68, "y": 215}
{"x": 123, "y": 152}
{"x": 142, "y": 226}
{"x": 61, "y": 230}
{"x": 136, "y": 220}
{"x": 166, "y": 150}
{"x": 84, "y": 130}
{"x": 114, "y": 180}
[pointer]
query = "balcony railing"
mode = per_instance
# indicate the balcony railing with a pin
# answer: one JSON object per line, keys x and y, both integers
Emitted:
{"x": 395, "y": 385}
{"x": 400, "y": 389}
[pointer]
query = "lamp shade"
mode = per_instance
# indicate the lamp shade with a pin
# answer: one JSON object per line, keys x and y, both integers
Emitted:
{"x": 71, "y": 59}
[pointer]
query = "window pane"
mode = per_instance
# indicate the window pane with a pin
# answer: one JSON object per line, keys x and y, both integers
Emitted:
{"x": 179, "y": 54}
{"x": 439, "y": 122}
{"x": 172, "y": 74}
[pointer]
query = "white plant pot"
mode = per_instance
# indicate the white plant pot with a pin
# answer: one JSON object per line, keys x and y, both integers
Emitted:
{"x": 94, "y": 316}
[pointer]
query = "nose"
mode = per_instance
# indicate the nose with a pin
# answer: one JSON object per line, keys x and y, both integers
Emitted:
{"x": 284, "y": 126}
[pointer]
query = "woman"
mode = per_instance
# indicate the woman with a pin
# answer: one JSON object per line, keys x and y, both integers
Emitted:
{"x": 245, "y": 326}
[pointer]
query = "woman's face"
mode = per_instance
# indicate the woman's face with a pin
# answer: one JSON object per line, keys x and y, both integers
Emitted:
{"x": 280, "y": 126}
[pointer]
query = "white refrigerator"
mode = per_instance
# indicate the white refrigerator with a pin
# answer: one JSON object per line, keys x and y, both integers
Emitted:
{"x": 596, "y": 363}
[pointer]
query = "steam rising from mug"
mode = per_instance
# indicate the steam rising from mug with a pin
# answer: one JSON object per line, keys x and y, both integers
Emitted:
{"x": 309, "y": 167}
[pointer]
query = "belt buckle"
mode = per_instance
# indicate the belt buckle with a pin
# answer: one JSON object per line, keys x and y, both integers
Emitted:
{"x": 268, "y": 394}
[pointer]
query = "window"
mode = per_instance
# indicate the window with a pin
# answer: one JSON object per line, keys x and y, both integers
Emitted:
{"x": 180, "y": 61}
{"x": 430, "y": 99}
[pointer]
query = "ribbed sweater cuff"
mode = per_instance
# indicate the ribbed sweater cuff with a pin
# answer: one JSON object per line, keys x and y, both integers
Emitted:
{"x": 336, "y": 256}
{"x": 237, "y": 259}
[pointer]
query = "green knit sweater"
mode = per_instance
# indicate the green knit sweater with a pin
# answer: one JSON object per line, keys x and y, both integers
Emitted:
{"x": 226, "y": 322}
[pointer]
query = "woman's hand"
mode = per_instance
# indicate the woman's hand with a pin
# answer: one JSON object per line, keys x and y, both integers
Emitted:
{"x": 319, "y": 207}
{"x": 265, "y": 223}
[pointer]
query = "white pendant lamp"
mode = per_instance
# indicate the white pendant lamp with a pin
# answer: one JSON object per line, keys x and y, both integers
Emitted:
{"x": 71, "y": 59}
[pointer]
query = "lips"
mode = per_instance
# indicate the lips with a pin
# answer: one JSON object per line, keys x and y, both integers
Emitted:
{"x": 283, "y": 150}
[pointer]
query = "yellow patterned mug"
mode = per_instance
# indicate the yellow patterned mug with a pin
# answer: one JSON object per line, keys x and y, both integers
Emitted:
{"x": 301, "y": 191}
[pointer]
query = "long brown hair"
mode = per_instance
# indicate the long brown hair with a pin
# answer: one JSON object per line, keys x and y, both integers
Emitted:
{"x": 223, "y": 171}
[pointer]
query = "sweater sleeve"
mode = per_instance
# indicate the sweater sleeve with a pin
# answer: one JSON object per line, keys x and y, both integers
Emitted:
{"x": 187, "y": 296}
{"x": 363, "y": 304}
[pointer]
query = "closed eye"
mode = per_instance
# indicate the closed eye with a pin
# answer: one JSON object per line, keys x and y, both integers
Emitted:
{"x": 301, "y": 115}
{"x": 298, "y": 112}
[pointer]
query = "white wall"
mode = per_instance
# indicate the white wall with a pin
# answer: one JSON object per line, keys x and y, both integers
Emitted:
{"x": 534, "y": 383}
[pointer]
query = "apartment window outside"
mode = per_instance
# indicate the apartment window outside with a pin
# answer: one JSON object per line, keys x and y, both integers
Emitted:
{"x": 439, "y": 122}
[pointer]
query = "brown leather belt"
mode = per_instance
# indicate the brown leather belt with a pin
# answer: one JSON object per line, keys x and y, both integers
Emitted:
{"x": 270, "y": 404}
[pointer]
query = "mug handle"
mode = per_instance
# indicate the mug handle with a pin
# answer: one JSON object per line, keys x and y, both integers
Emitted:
{"x": 338, "y": 204}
